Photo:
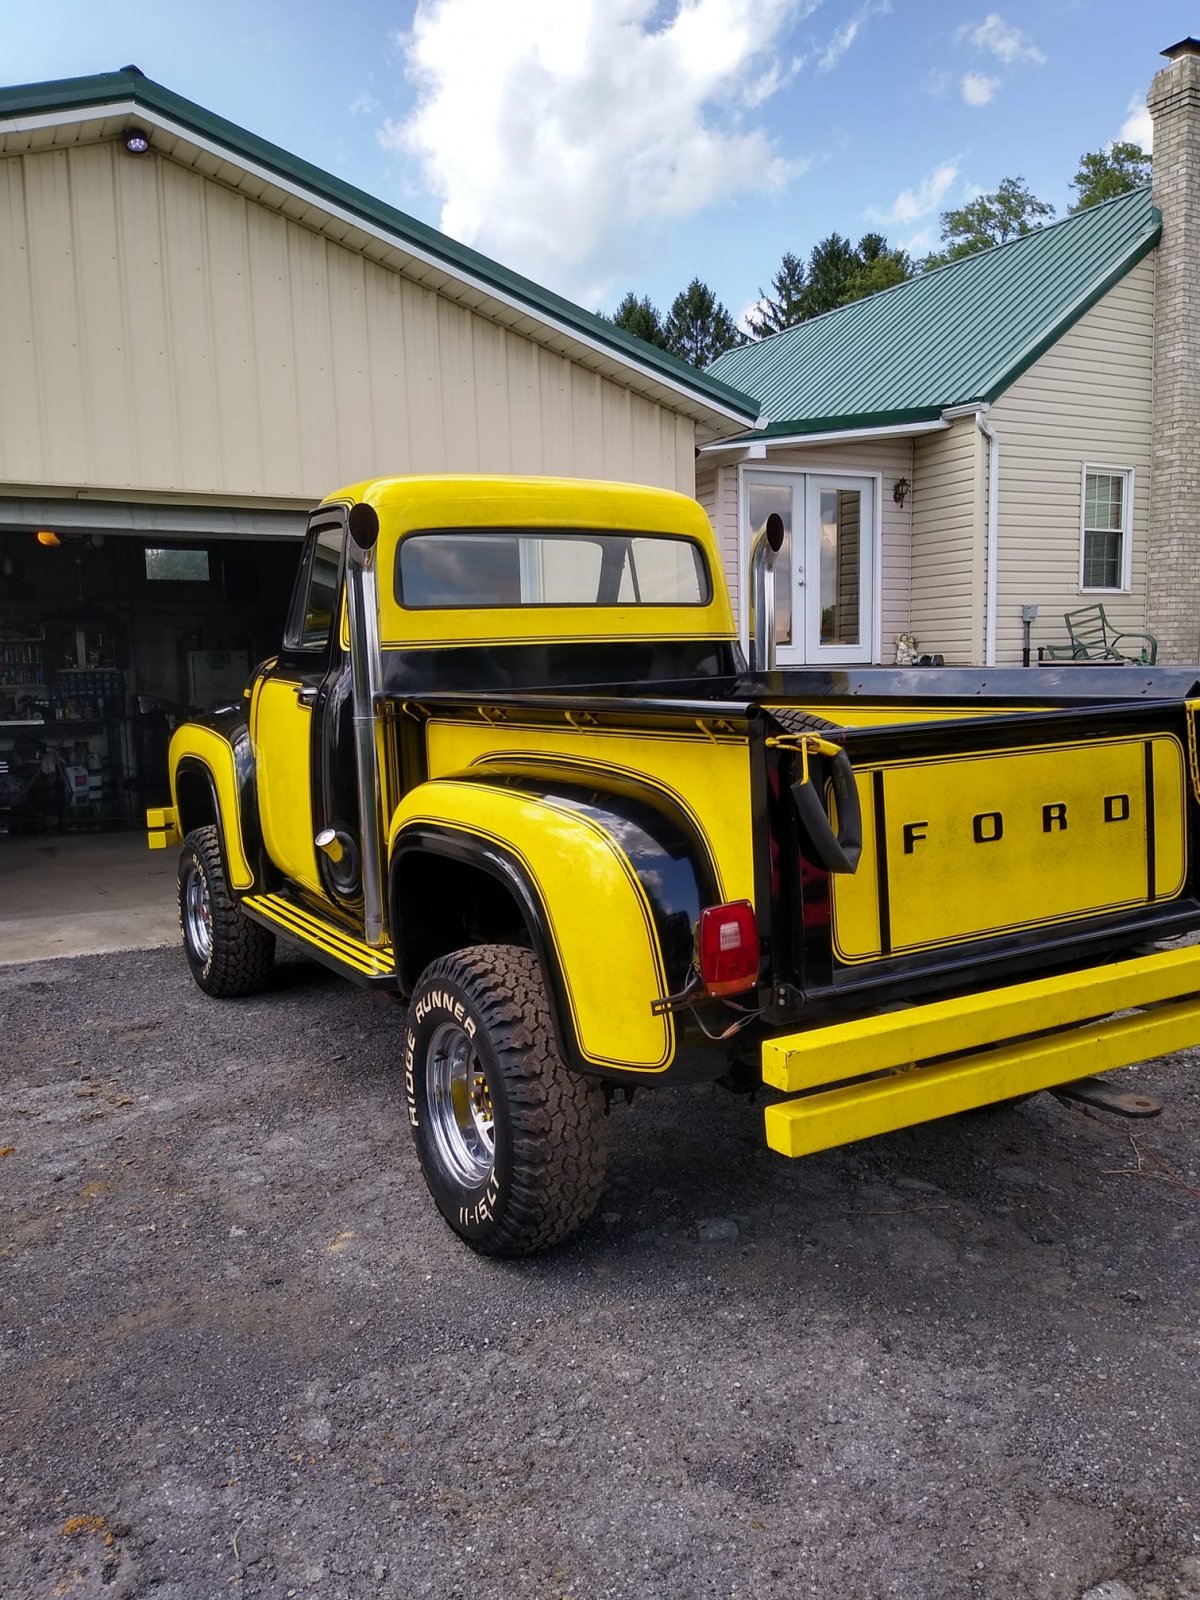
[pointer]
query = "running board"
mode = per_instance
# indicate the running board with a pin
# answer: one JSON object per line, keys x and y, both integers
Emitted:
{"x": 324, "y": 940}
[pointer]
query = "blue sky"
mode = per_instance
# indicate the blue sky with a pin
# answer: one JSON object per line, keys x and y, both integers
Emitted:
{"x": 604, "y": 144}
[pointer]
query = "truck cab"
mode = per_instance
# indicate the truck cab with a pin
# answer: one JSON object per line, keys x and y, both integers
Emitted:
{"x": 510, "y": 765}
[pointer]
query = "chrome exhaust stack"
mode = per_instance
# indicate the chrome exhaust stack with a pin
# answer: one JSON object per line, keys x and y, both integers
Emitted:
{"x": 766, "y": 546}
{"x": 366, "y": 678}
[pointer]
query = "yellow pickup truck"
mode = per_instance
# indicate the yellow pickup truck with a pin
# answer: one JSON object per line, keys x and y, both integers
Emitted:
{"x": 511, "y": 764}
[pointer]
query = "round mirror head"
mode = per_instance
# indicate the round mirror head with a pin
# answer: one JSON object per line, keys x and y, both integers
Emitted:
{"x": 363, "y": 523}
{"x": 775, "y": 531}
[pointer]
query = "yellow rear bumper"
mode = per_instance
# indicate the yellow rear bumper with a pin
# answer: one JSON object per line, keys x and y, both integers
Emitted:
{"x": 856, "y": 1079}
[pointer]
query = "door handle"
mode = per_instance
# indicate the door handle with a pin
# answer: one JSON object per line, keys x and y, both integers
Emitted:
{"x": 306, "y": 695}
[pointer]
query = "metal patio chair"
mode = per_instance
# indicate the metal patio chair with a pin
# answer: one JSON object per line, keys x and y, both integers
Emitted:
{"x": 1093, "y": 638}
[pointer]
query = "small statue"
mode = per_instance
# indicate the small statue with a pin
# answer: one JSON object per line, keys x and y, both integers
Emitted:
{"x": 907, "y": 648}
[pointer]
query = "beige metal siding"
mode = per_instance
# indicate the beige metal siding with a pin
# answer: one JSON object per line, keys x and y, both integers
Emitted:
{"x": 891, "y": 457}
{"x": 947, "y": 543}
{"x": 161, "y": 333}
{"x": 1086, "y": 401}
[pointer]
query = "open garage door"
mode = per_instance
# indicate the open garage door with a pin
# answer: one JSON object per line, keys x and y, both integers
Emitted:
{"x": 115, "y": 621}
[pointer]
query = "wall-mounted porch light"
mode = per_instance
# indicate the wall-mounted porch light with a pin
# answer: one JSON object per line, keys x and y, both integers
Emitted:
{"x": 900, "y": 490}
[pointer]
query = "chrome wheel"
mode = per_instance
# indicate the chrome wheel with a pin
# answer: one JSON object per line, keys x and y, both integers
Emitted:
{"x": 461, "y": 1117}
{"x": 197, "y": 912}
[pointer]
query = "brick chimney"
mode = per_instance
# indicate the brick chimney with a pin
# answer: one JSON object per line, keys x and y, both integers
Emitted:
{"x": 1173, "y": 576}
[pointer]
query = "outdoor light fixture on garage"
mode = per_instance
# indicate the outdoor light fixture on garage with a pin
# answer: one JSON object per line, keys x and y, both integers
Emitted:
{"x": 49, "y": 539}
{"x": 137, "y": 141}
{"x": 900, "y": 491}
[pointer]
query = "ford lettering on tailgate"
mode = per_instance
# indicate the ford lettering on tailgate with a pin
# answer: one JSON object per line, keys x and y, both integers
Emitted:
{"x": 971, "y": 845}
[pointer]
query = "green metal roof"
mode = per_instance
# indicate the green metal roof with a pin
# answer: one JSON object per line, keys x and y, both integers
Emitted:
{"x": 130, "y": 84}
{"x": 958, "y": 335}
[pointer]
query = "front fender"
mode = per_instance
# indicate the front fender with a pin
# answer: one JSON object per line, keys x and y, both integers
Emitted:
{"x": 224, "y": 754}
{"x": 599, "y": 931}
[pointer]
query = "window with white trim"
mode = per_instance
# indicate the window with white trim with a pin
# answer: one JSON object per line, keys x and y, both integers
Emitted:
{"x": 1107, "y": 498}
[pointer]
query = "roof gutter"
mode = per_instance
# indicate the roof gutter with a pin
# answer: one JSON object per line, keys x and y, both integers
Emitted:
{"x": 136, "y": 104}
{"x": 834, "y": 436}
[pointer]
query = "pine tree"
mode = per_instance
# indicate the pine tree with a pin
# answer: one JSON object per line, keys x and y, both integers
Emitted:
{"x": 784, "y": 306}
{"x": 879, "y": 267}
{"x": 640, "y": 318}
{"x": 831, "y": 269}
{"x": 698, "y": 327}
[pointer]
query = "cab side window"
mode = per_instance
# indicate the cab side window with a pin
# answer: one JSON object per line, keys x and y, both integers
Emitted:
{"x": 314, "y": 606}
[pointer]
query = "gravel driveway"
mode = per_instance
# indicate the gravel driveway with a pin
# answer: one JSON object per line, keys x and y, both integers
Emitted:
{"x": 242, "y": 1354}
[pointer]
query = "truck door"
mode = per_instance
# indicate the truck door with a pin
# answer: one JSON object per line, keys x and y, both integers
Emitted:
{"x": 284, "y": 706}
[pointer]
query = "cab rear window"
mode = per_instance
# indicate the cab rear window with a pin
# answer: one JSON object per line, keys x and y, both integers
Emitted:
{"x": 479, "y": 569}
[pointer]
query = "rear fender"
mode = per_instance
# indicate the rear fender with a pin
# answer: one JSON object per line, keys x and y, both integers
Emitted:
{"x": 218, "y": 750}
{"x": 608, "y": 892}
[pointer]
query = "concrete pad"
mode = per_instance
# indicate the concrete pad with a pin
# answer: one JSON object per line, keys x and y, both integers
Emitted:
{"x": 79, "y": 894}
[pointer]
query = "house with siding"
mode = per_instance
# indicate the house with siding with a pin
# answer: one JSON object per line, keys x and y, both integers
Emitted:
{"x": 1017, "y": 429}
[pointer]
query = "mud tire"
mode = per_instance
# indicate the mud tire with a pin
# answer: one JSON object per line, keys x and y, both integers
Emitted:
{"x": 544, "y": 1176}
{"x": 240, "y": 954}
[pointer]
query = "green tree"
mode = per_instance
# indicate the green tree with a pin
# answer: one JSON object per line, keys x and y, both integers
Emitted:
{"x": 784, "y": 306}
{"x": 831, "y": 269}
{"x": 698, "y": 327}
{"x": 641, "y": 318}
{"x": 1013, "y": 210}
{"x": 1104, "y": 174}
{"x": 879, "y": 267}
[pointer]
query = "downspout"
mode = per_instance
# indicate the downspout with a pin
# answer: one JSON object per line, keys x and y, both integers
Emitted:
{"x": 991, "y": 536}
{"x": 362, "y": 605}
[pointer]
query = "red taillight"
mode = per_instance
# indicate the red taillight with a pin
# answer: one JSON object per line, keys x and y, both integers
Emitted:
{"x": 727, "y": 948}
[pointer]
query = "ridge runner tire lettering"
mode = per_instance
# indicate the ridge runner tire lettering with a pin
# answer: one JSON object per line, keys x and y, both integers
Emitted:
{"x": 511, "y": 1143}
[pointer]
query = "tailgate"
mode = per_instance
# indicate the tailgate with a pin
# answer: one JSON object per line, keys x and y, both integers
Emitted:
{"x": 977, "y": 843}
{"x": 999, "y": 833}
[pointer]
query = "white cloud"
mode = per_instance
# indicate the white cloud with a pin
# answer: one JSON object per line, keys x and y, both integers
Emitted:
{"x": 363, "y": 105}
{"x": 978, "y": 89}
{"x": 937, "y": 82}
{"x": 1006, "y": 43}
{"x": 849, "y": 32}
{"x": 555, "y": 134}
{"x": 922, "y": 201}
{"x": 1137, "y": 127}
{"x": 920, "y": 243}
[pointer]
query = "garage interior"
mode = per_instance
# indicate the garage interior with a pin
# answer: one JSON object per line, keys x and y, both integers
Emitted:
{"x": 107, "y": 640}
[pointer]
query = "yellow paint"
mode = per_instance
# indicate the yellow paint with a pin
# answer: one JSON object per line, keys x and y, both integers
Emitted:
{"x": 311, "y": 929}
{"x": 860, "y": 1110}
{"x": 413, "y": 504}
{"x": 948, "y": 887}
{"x": 216, "y": 754}
{"x": 859, "y": 715}
{"x": 709, "y": 779}
{"x": 605, "y": 943}
{"x": 281, "y": 728}
{"x": 162, "y": 828}
{"x": 843, "y": 1050}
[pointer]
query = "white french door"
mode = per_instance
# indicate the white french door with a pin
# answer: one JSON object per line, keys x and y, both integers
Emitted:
{"x": 825, "y": 572}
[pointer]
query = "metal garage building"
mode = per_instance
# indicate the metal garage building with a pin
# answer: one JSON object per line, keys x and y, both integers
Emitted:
{"x": 200, "y": 335}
